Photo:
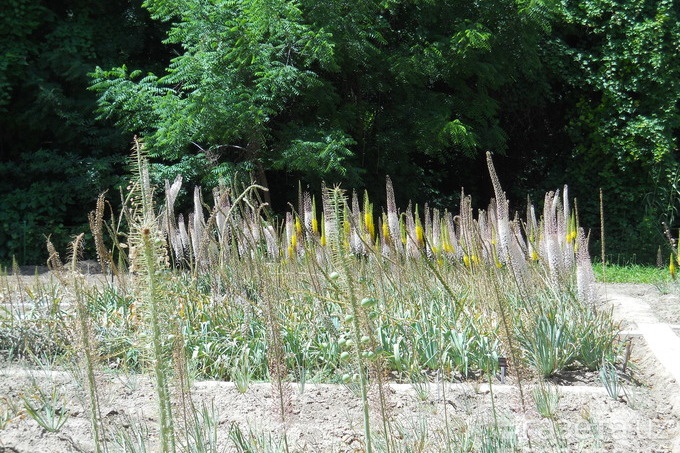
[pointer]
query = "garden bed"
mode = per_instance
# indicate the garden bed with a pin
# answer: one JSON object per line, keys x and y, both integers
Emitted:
{"x": 328, "y": 417}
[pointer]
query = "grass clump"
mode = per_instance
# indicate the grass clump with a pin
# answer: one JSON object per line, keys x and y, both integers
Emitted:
{"x": 47, "y": 408}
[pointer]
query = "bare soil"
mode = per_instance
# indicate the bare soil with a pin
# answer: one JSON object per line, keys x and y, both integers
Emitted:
{"x": 328, "y": 418}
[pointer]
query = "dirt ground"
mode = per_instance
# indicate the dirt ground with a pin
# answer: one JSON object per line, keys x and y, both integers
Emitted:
{"x": 328, "y": 418}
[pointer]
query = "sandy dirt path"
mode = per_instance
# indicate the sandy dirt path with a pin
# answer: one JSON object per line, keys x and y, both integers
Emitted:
{"x": 639, "y": 320}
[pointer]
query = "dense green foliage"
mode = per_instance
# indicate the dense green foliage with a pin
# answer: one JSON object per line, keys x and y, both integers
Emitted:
{"x": 350, "y": 91}
{"x": 622, "y": 68}
{"x": 55, "y": 158}
{"x": 581, "y": 93}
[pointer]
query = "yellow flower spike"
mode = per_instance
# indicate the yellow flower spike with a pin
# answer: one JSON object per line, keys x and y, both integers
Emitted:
{"x": 315, "y": 222}
{"x": 323, "y": 230}
{"x": 446, "y": 243}
{"x": 495, "y": 256}
{"x": 475, "y": 259}
{"x": 534, "y": 255}
{"x": 293, "y": 242}
{"x": 419, "y": 232}
{"x": 571, "y": 237}
{"x": 298, "y": 225}
{"x": 420, "y": 235}
{"x": 368, "y": 222}
{"x": 572, "y": 228}
{"x": 386, "y": 230}
{"x": 671, "y": 267}
{"x": 466, "y": 260}
{"x": 290, "y": 252}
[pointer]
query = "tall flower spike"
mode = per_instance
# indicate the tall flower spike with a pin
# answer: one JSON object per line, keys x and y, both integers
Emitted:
{"x": 532, "y": 231}
{"x": 410, "y": 233}
{"x": 585, "y": 277}
{"x": 419, "y": 230}
{"x": 466, "y": 226}
{"x": 291, "y": 236}
{"x": 551, "y": 247}
{"x": 369, "y": 223}
{"x": 168, "y": 223}
{"x": 326, "y": 214}
{"x": 392, "y": 216}
{"x": 184, "y": 241}
{"x": 356, "y": 227}
{"x": 199, "y": 224}
{"x": 96, "y": 219}
{"x": 271, "y": 241}
{"x": 435, "y": 236}
{"x": 671, "y": 267}
{"x": 315, "y": 221}
{"x": 386, "y": 240}
{"x": 335, "y": 207}
{"x": 308, "y": 213}
{"x": 222, "y": 206}
{"x": 502, "y": 216}
{"x": 449, "y": 240}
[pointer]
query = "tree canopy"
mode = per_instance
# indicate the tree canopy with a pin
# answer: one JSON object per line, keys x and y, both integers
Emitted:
{"x": 344, "y": 91}
{"x": 350, "y": 90}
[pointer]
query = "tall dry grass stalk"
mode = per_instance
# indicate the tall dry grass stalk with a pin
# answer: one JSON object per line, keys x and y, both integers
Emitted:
{"x": 86, "y": 351}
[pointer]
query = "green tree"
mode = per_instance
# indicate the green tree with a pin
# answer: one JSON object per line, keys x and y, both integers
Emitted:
{"x": 344, "y": 91}
{"x": 242, "y": 64}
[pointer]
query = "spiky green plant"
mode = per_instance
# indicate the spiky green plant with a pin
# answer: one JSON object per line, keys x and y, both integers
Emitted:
{"x": 47, "y": 408}
{"x": 335, "y": 213}
{"x": 548, "y": 345}
{"x": 149, "y": 261}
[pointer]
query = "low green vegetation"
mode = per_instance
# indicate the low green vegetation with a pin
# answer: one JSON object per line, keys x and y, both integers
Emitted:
{"x": 632, "y": 273}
